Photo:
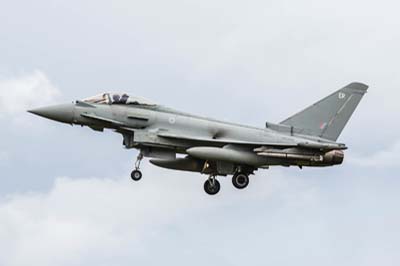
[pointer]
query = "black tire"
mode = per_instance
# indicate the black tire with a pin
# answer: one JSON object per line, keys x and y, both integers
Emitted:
{"x": 212, "y": 187}
{"x": 240, "y": 181}
{"x": 136, "y": 175}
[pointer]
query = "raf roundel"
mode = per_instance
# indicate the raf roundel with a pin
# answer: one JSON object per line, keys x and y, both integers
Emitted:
{"x": 172, "y": 120}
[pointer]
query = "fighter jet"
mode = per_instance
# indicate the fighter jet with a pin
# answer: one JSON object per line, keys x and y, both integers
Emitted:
{"x": 182, "y": 141}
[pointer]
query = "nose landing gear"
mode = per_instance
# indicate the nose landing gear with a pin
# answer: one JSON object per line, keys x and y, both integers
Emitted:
{"x": 136, "y": 174}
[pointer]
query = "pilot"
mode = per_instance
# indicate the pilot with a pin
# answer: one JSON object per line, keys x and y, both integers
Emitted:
{"x": 116, "y": 98}
{"x": 124, "y": 99}
{"x": 120, "y": 99}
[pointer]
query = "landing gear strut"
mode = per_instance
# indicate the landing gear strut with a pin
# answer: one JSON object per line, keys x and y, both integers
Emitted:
{"x": 136, "y": 174}
{"x": 212, "y": 186}
{"x": 240, "y": 180}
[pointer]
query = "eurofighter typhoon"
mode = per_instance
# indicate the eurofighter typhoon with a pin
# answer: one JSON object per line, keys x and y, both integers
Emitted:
{"x": 186, "y": 142}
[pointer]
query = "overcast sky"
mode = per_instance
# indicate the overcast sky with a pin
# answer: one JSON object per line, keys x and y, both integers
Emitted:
{"x": 66, "y": 197}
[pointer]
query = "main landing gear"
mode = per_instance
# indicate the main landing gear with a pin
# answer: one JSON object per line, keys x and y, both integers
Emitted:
{"x": 240, "y": 180}
{"x": 212, "y": 186}
{"x": 136, "y": 174}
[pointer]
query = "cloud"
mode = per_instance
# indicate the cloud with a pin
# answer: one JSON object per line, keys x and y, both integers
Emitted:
{"x": 388, "y": 157}
{"x": 168, "y": 219}
{"x": 80, "y": 218}
{"x": 21, "y": 93}
{"x": 83, "y": 219}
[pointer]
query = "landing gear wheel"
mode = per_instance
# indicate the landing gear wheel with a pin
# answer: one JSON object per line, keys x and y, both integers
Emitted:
{"x": 240, "y": 181}
{"x": 212, "y": 186}
{"x": 136, "y": 175}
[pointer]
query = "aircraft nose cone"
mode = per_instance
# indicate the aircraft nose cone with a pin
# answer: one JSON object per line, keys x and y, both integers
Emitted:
{"x": 62, "y": 113}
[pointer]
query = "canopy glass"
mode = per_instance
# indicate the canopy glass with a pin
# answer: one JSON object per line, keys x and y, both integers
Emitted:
{"x": 117, "y": 98}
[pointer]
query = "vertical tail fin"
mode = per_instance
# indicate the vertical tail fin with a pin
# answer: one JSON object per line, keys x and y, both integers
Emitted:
{"x": 328, "y": 117}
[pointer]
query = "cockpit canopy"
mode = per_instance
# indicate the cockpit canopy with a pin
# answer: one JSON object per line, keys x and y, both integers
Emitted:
{"x": 118, "y": 98}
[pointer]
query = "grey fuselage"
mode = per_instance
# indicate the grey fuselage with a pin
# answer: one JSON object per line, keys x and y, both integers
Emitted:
{"x": 209, "y": 146}
{"x": 162, "y": 133}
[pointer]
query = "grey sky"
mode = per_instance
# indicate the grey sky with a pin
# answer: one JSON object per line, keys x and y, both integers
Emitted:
{"x": 65, "y": 193}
